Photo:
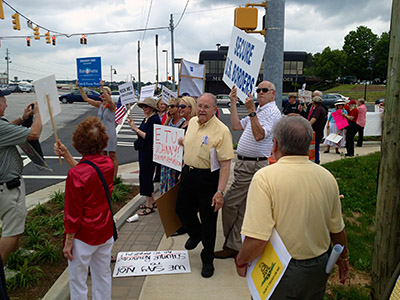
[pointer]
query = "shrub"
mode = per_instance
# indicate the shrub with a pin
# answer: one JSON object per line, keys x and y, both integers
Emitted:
{"x": 27, "y": 276}
{"x": 48, "y": 253}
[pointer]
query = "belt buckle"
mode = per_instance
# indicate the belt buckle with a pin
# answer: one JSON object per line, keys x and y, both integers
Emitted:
{"x": 191, "y": 168}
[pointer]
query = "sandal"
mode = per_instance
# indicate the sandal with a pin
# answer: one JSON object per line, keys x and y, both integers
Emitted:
{"x": 143, "y": 206}
{"x": 146, "y": 211}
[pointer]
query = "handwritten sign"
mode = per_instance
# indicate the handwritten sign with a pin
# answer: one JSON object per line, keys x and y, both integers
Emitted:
{"x": 89, "y": 71}
{"x": 305, "y": 95}
{"x": 166, "y": 150}
{"x": 141, "y": 263}
{"x": 127, "y": 93}
{"x": 340, "y": 121}
{"x": 167, "y": 94}
{"x": 243, "y": 62}
{"x": 147, "y": 91}
{"x": 43, "y": 86}
{"x": 265, "y": 272}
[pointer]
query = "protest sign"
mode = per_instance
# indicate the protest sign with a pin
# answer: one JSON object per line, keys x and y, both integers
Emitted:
{"x": 141, "y": 263}
{"x": 127, "y": 93}
{"x": 34, "y": 156}
{"x": 166, "y": 150}
{"x": 305, "y": 95}
{"x": 147, "y": 91}
{"x": 265, "y": 272}
{"x": 334, "y": 138}
{"x": 47, "y": 86}
{"x": 167, "y": 94}
{"x": 191, "y": 78}
{"x": 243, "y": 62}
{"x": 166, "y": 205}
{"x": 89, "y": 71}
{"x": 341, "y": 122}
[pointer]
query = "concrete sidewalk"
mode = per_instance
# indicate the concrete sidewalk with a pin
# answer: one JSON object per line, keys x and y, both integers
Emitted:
{"x": 148, "y": 234}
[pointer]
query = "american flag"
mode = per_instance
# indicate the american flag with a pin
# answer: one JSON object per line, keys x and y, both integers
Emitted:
{"x": 120, "y": 112}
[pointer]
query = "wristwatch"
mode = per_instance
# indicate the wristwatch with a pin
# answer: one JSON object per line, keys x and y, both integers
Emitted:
{"x": 222, "y": 192}
{"x": 253, "y": 114}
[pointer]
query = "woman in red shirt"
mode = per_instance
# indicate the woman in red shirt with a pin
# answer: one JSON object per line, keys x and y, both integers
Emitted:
{"x": 352, "y": 128}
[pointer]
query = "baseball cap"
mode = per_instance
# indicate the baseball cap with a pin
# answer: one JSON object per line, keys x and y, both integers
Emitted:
{"x": 4, "y": 93}
{"x": 352, "y": 102}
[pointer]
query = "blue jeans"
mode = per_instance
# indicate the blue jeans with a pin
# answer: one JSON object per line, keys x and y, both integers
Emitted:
{"x": 317, "y": 143}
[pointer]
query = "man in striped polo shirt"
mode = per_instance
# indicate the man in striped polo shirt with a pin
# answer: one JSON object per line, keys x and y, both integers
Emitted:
{"x": 12, "y": 189}
{"x": 254, "y": 148}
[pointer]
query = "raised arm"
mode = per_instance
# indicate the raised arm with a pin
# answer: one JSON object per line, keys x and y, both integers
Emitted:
{"x": 235, "y": 122}
{"x": 86, "y": 98}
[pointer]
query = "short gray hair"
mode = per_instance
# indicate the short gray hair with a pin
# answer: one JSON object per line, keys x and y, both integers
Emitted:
{"x": 214, "y": 99}
{"x": 293, "y": 135}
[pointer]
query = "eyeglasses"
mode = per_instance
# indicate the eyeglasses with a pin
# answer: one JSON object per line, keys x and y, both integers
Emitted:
{"x": 182, "y": 106}
{"x": 264, "y": 90}
{"x": 173, "y": 105}
{"x": 144, "y": 106}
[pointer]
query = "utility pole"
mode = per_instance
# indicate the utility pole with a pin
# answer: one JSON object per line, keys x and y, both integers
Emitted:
{"x": 273, "y": 57}
{"x": 138, "y": 57}
{"x": 8, "y": 66}
{"x": 157, "y": 61}
{"x": 386, "y": 255}
{"x": 171, "y": 28}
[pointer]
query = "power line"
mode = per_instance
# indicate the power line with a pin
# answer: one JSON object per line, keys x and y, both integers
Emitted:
{"x": 187, "y": 2}
{"x": 147, "y": 21}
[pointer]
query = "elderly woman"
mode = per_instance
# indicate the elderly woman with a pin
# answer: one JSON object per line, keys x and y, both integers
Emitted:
{"x": 88, "y": 220}
{"x": 144, "y": 144}
{"x": 106, "y": 114}
{"x": 332, "y": 128}
{"x": 162, "y": 110}
{"x": 169, "y": 176}
{"x": 351, "y": 116}
{"x": 187, "y": 110}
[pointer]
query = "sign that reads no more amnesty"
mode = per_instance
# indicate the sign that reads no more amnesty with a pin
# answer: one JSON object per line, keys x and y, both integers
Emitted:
{"x": 243, "y": 62}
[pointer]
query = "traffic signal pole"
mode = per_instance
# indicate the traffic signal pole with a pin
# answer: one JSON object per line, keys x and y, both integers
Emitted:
{"x": 171, "y": 28}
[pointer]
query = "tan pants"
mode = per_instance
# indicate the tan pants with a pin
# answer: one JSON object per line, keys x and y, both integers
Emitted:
{"x": 235, "y": 201}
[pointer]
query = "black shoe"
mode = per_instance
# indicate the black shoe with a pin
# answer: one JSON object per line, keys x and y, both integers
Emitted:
{"x": 191, "y": 243}
{"x": 347, "y": 154}
{"x": 207, "y": 270}
{"x": 180, "y": 231}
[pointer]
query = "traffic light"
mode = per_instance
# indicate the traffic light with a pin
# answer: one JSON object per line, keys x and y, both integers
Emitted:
{"x": 15, "y": 21}
{"x": 83, "y": 39}
{"x": 1, "y": 10}
{"x": 54, "y": 40}
{"x": 36, "y": 33}
{"x": 246, "y": 18}
{"x": 48, "y": 40}
{"x": 28, "y": 41}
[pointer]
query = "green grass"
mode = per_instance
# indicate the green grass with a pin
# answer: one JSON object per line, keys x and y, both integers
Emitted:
{"x": 347, "y": 91}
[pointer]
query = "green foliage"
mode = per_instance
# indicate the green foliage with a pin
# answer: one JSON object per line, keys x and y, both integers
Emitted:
{"x": 48, "y": 253}
{"x": 329, "y": 65}
{"x": 117, "y": 180}
{"x": 341, "y": 292}
{"x": 56, "y": 222}
{"x": 120, "y": 191}
{"x": 58, "y": 199}
{"x": 27, "y": 276}
{"x": 381, "y": 52}
{"x": 34, "y": 235}
{"x": 41, "y": 209}
{"x": 15, "y": 260}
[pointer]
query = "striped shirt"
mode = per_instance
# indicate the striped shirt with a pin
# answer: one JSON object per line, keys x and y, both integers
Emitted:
{"x": 10, "y": 160}
{"x": 268, "y": 115}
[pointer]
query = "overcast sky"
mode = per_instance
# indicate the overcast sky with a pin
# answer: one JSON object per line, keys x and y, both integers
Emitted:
{"x": 309, "y": 26}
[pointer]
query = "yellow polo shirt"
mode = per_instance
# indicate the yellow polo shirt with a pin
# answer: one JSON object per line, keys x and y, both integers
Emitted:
{"x": 300, "y": 199}
{"x": 200, "y": 139}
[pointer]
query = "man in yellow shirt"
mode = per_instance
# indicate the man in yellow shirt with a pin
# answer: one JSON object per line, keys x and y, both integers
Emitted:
{"x": 207, "y": 156}
{"x": 307, "y": 214}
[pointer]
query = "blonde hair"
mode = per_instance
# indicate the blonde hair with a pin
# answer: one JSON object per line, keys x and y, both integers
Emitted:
{"x": 192, "y": 103}
{"x": 107, "y": 89}
{"x": 174, "y": 101}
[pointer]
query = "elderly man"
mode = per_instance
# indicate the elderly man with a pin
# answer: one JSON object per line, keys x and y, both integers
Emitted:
{"x": 292, "y": 107}
{"x": 12, "y": 189}
{"x": 307, "y": 215}
{"x": 254, "y": 148}
{"x": 207, "y": 156}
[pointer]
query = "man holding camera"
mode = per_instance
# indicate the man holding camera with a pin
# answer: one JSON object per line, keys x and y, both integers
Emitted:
{"x": 12, "y": 188}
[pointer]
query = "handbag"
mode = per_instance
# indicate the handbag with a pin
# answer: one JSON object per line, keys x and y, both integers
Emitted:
{"x": 115, "y": 232}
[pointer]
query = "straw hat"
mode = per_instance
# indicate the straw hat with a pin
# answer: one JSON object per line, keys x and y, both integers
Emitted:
{"x": 340, "y": 101}
{"x": 149, "y": 102}
{"x": 317, "y": 99}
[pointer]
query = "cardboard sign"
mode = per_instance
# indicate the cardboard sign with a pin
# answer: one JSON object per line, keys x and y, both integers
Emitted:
{"x": 166, "y": 150}
{"x": 334, "y": 138}
{"x": 166, "y": 205}
{"x": 34, "y": 156}
{"x": 167, "y": 94}
{"x": 127, "y": 93}
{"x": 147, "y": 91}
{"x": 305, "y": 95}
{"x": 141, "y": 263}
{"x": 191, "y": 78}
{"x": 47, "y": 85}
{"x": 243, "y": 62}
{"x": 89, "y": 71}
{"x": 341, "y": 122}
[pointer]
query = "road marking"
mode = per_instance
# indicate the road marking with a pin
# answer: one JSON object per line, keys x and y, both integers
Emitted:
{"x": 125, "y": 144}
{"x": 44, "y": 177}
{"x": 126, "y": 136}
{"x": 226, "y": 111}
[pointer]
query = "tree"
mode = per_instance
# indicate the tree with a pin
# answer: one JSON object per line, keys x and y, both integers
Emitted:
{"x": 381, "y": 53}
{"x": 309, "y": 65}
{"x": 387, "y": 225}
{"x": 329, "y": 64}
{"x": 358, "y": 47}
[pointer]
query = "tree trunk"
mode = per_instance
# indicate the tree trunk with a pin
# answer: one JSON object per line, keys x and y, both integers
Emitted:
{"x": 387, "y": 233}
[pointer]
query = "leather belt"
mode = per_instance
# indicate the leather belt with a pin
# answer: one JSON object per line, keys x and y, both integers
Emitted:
{"x": 251, "y": 158}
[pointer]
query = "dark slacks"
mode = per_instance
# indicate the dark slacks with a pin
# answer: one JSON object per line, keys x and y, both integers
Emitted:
{"x": 195, "y": 195}
{"x": 351, "y": 132}
{"x": 360, "y": 131}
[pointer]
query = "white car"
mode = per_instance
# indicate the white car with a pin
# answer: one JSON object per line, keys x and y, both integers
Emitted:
{"x": 115, "y": 96}
{"x": 346, "y": 99}
{"x": 25, "y": 88}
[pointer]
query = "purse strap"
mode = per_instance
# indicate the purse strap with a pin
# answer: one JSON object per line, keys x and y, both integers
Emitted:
{"x": 115, "y": 234}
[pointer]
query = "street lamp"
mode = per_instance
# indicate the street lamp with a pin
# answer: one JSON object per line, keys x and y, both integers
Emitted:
{"x": 166, "y": 64}
{"x": 113, "y": 71}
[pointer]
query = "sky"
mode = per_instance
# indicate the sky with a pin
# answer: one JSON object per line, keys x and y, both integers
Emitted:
{"x": 309, "y": 26}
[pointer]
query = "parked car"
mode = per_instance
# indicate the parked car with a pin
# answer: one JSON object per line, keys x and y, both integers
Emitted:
{"x": 285, "y": 100}
{"x": 380, "y": 100}
{"x": 224, "y": 100}
{"x": 347, "y": 80}
{"x": 115, "y": 96}
{"x": 329, "y": 100}
{"x": 346, "y": 99}
{"x": 26, "y": 88}
{"x": 13, "y": 87}
{"x": 75, "y": 96}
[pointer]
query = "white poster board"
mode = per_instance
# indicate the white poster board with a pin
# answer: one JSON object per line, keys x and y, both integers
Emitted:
{"x": 127, "y": 93}
{"x": 147, "y": 91}
{"x": 167, "y": 94}
{"x": 243, "y": 62}
{"x": 141, "y": 263}
{"x": 305, "y": 95}
{"x": 191, "y": 78}
{"x": 43, "y": 86}
{"x": 166, "y": 150}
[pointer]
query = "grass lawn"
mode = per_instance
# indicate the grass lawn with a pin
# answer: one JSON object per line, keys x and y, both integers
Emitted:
{"x": 355, "y": 91}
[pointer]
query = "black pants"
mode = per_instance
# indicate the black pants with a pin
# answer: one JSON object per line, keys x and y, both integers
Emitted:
{"x": 195, "y": 194}
{"x": 351, "y": 132}
{"x": 360, "y": 131}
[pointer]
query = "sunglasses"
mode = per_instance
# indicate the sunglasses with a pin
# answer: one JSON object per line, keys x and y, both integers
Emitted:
{"x": 143, "y": 106}
{"x": 182, "y": 106}
{"x": 264, "y": 90}
{"x": 173, "y": 105}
